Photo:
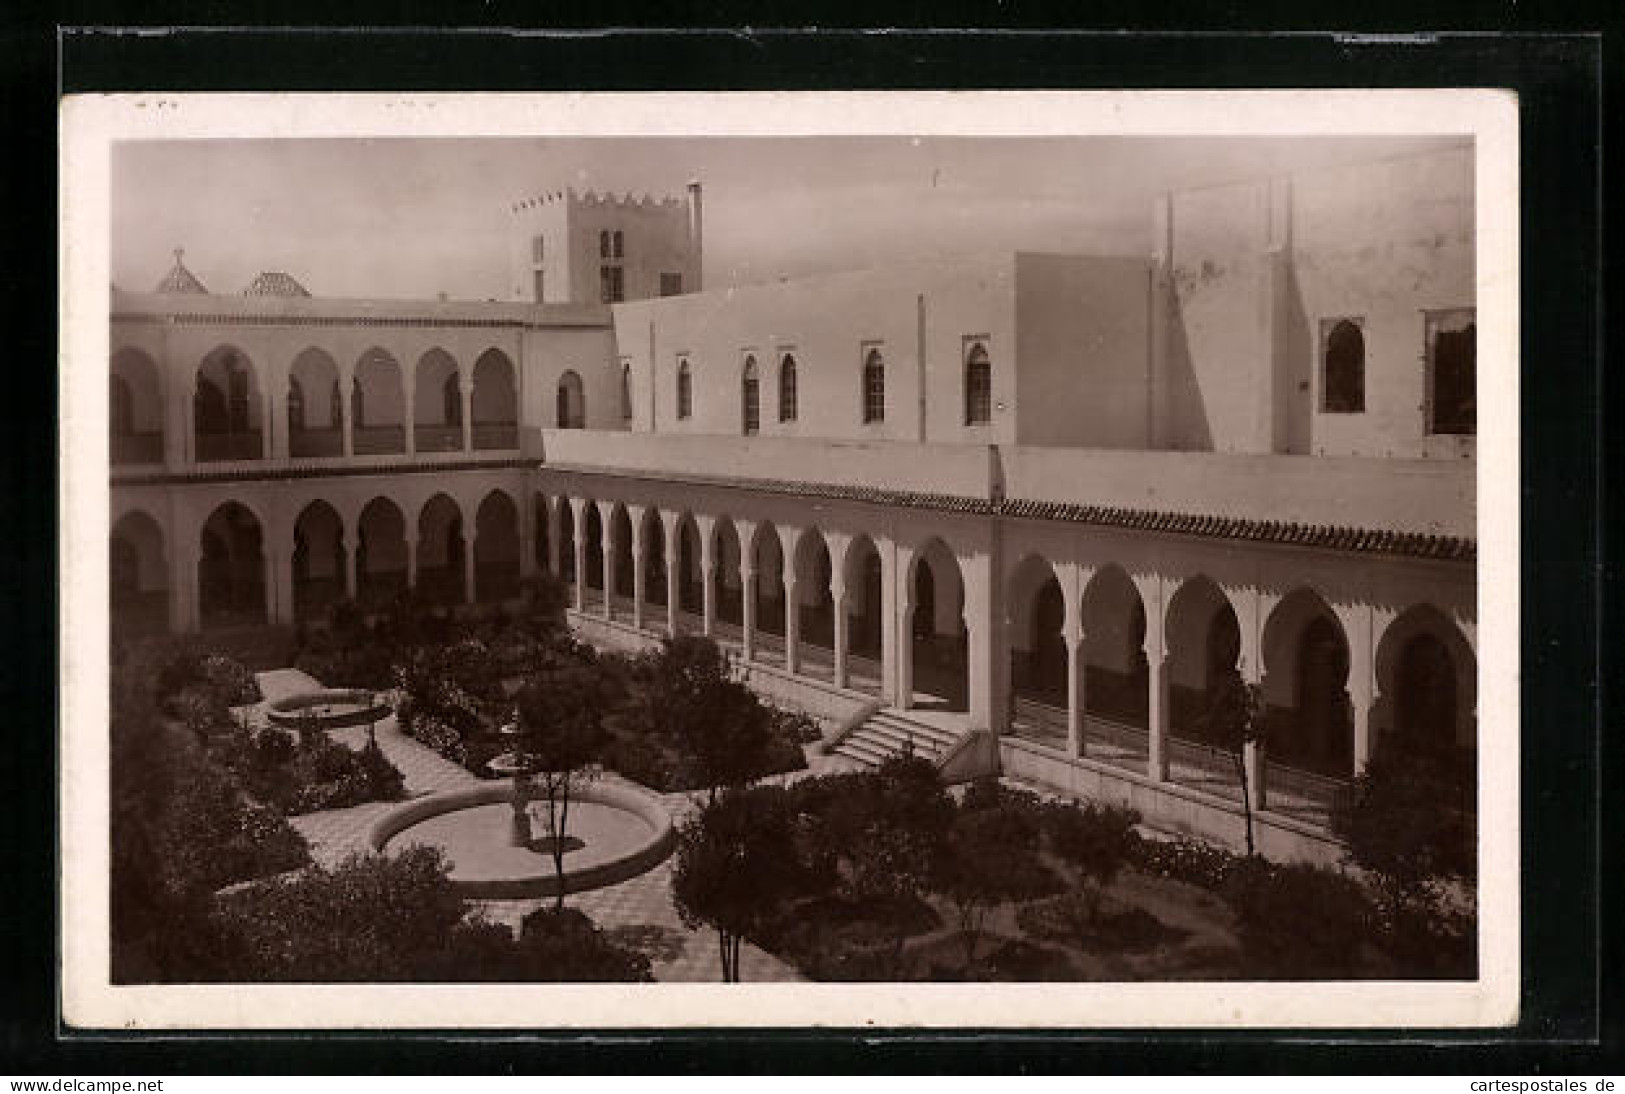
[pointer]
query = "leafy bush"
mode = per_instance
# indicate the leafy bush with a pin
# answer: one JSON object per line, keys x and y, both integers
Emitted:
{"x": 1096, "y": 840}
{"x": 1300, "y": 922}
{"x": 1411, "y": 817}
{"x": 184, "y": 663}
{"x": 312, "y": 775}
{"x": 990, "y": 857}
{"x": 562, "y": 944}
{"x": 209, "y": 837}
{"x": 1082, "y": 919}
{"x": 1187, "y": 860}
{"x": 371, "y": 918}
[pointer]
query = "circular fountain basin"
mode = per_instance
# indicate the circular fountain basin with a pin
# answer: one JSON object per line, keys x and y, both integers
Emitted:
{"x": 333, "y": 708}
{"x": 623, "y": 832}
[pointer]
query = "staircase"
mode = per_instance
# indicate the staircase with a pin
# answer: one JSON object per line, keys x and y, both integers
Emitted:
{"x": 887, "y": 733}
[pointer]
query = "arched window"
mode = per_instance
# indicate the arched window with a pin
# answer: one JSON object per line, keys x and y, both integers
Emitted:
{"x": 358, "y": 404}
{"x": 603, "y": 244}
{"x": 685, "y": 390}
{"x": 626, "y": 392}
{"x": 335, "y": 409}
{"x": 572, "y": 402}
{"x": 787, "y": 389}
{"x": 978, "y": 385}
{"x": 750, "y": 398}
{"x": 296, "y": 406}
{"x": 1343, "y": 380}
{"x": 874, "y": 387}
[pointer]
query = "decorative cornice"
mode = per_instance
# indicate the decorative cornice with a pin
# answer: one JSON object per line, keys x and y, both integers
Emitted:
{"x": 1319, "y": 536}
{"x": 284, "y": 474}
{"x": 242, "y": 319}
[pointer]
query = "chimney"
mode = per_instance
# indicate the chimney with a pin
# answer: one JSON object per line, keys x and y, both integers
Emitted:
{"x": 695, "y": 232}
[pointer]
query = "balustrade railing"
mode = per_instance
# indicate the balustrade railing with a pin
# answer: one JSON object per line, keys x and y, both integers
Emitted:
{"x": 249, "y": 445}
{"x": 496, "y": 435}
{"x": 316, "y": 442}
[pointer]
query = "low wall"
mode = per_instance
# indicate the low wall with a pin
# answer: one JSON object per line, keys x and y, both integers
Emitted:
{"x": 1169, "y": 806}
{"x": 611, "y": 634}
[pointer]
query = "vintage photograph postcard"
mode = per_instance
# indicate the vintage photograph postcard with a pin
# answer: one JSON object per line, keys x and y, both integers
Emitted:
{"x": 1008, "y": 559}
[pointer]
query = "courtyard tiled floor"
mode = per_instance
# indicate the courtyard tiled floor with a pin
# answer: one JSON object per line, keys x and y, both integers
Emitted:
{"x": 639, "y": 912}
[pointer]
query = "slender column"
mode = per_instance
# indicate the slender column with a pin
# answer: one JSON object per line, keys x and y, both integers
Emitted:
{"x": 352, "y": 572}
{"x": 708, "y": 597}
{"x": 792, "y": 621}
{"x": 607, "y": 524}
{"x": 348, "y": 425}
{"x": 904, "y": 699}
{"x": 268, "y": 432}
{"x": 409, "y": 384}
{"x": 578, "y": 546}
{"x": 1157, "y": 718}
{"x": 466, "y": 389}
{"x": 747, "y": 594}
{"x": 1075, "y": 697}
{"x": 1358, "y": 625}
{"x": 669, "y": 525}
{"x": 639, "y": 579}
{"x": 888, "y": 609}
{"x": 1253, "y": 754}
{"x": 183, "y": 585}
{"x": 555, "y": 543}
{"x": 982, "y": 697}
{"x": 837, "y": 593}
{"x": 469, "y": 591}
{"x": 411, "y": 563}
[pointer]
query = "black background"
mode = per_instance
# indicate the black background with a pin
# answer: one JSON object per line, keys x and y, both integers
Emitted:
{"x": 1573, "y": 965}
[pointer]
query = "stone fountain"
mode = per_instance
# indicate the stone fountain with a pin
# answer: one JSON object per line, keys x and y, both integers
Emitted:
{"x": 516, "y": 765}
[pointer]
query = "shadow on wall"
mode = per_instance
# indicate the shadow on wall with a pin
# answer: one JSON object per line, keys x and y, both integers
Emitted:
{"x": 1295, "y": 353}
{"x": 1188, "y": 424}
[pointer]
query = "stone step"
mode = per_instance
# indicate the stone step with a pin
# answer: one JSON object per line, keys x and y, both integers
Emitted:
{"x": 922, "y": 732}
{"x": 863, "y": 752}
{"x": 895, "y": 740}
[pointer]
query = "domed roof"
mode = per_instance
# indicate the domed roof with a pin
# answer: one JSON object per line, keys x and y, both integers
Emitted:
{"x": 181, "y": 280}
{"x": 275, "y": 283}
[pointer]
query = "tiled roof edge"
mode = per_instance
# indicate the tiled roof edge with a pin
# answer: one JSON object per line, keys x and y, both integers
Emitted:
{"x": 1332, "y": 537}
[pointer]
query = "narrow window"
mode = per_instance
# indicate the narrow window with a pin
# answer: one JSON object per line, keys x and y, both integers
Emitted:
{"x": 874, "y": 387}
{"x": 685, "y": 390}
{"x": 1452, "y": 358}
{"x": 611, "y": 286}
{"x": 978, "y": 385}
{"x": 572, "y": 403}
{"x": 671, "y": 284}
{"x": 536, "y": 280}
{"x": 603, "y": 244}
{"x": 626, "y": 392}
{"x": 787, "y": 389}
{"x": 536, "y": 250}
{"x": 1343, "y": 378}
{"x": 616, "y": 250}
{"x": 750, "y": 399}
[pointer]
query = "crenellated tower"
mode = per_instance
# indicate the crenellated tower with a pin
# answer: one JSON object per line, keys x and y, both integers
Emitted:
{"x": 586, "y": 247}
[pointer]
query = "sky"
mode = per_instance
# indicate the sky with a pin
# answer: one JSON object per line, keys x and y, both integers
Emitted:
{"x": 414, "y": 218}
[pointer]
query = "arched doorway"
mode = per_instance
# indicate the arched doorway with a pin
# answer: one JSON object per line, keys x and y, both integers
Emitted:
{"x": 136, "y": 410}
{"x": 315, "y": 414}
{"x": 380, "y": 552}
{"x": 690, "y": 580}
{"x": 226, "y": 414}
{"x": 1204, "y": 647}
{"x": 544, "y": 531}
{"x": 495, "y": 402}
{"x": 620, "y": 523}
{"x": 378, "y": 405}
{"x": 814, "y": 603}
{"x": 654, "y": 559}
{"x": 437, "y": 404}
{"x": 138, "y": 578}
{"x": 1116, "y": 673}
{"x": 571, "y": 399}
{"x": 1427, "y": 678}
{"x": 593, "y": 579}
{"x": 319, "y": 560}
{"x": 1306, "y": 666}
{"x": 441, "y": 558}
{"x": 1037, "y": 642}
{"x": 768, "y": 559}
{"x": 496, "y": 549}
{"x": 231, "y": 568}
{"x": 567, "y": 542}
{"x": 729, "y": 585}
{"x": 865, "y": 615}
{"x": 936, "y": 633}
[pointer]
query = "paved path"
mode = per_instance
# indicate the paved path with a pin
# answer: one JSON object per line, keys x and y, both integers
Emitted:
{"x": 639, "y": 912}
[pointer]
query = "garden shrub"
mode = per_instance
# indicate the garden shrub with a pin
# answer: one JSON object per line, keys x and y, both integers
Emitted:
{"x": 1183, "y": 859}
{"x": 1085, "y": 920}
{"x": 371, "y": 918}
{"x": 1300, "y": 922}
{"x": 209, "y": 837}
{"x": 562, "y": 944}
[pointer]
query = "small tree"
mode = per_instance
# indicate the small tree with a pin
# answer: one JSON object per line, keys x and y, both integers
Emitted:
{"x": 990, "y": 857}
{"x": 1097, "y": 841}
{"x": 562, "y": 737}
{"x": 724, "y": 730}
{"x": 1235, "y": 719}
{"x": 736, "y": 867}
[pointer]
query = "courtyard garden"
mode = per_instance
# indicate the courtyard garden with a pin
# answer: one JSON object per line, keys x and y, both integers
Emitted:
{"x": 225, "y": 867}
